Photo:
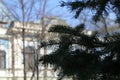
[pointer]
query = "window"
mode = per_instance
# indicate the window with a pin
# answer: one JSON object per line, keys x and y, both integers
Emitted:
{"x": 3, "y": 53}
{"x": 29, "y": 56}
{"x": 2, "y": 59}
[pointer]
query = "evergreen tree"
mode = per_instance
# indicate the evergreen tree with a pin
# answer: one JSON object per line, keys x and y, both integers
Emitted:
{"x": 77, "y": 54}
{"x": 81, "y": 56}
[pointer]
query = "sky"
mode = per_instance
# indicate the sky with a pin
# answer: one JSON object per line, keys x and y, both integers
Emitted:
{"x": 65, "y": 13}
{"x": 62, "y": 12}
{"x": 52, "y": 8}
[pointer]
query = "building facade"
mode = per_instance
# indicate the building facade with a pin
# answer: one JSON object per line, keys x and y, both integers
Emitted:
{"x": 13, "y": 42}
{"x": 11, "y": 50}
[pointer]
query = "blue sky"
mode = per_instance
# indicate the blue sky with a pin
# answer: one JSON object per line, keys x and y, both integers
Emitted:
{"x": 62, "y": 12}
{"x": 52, "y": 8}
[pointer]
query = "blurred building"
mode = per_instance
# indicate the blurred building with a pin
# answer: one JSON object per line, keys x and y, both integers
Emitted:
{"x": 11, "y": 46}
